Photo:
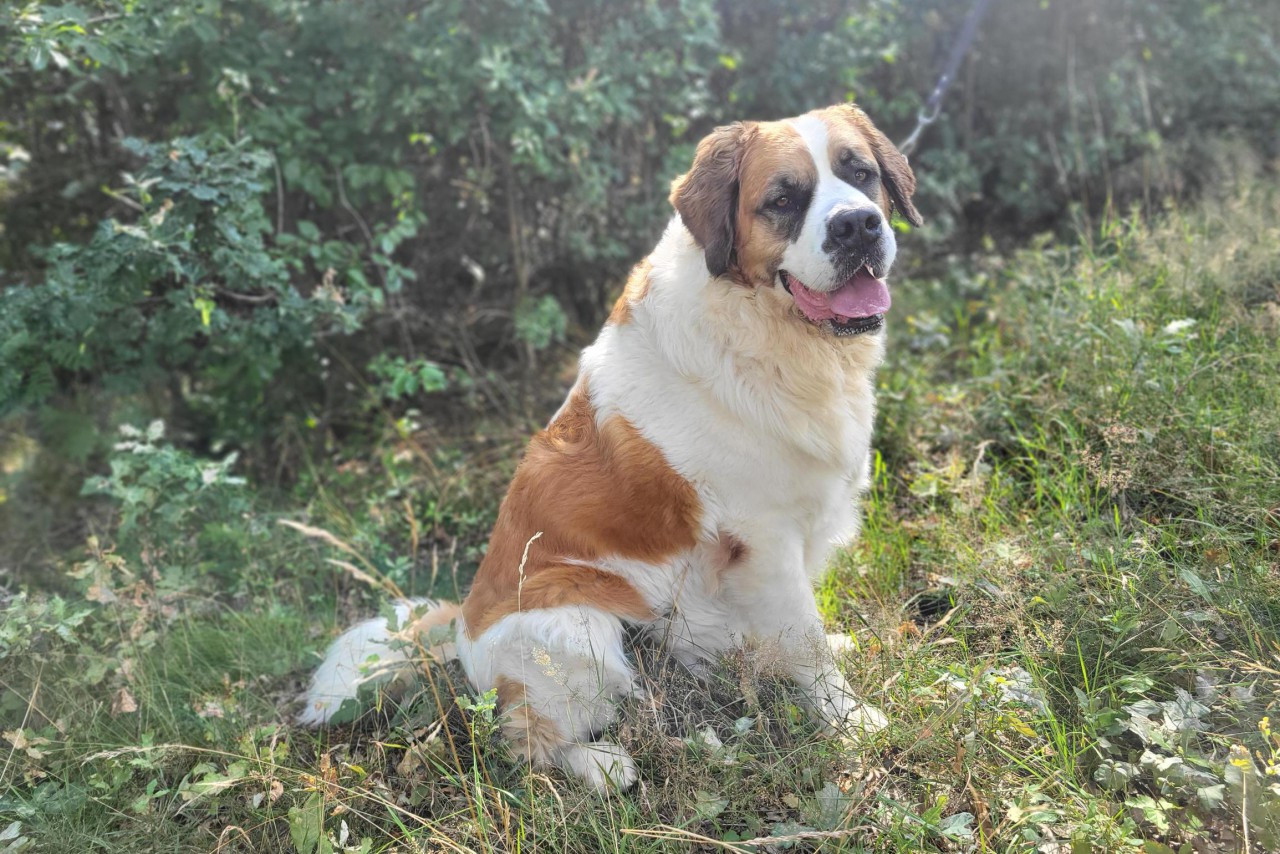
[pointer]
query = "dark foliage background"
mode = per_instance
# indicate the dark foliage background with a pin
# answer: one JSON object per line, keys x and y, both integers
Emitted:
{"x": 223, "y": 212}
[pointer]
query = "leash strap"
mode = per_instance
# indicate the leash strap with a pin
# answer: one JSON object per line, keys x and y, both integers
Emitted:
{"x": 933, "y": 107}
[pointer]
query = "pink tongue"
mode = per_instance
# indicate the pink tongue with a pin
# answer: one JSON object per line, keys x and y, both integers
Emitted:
{"x": 862, "y": 296}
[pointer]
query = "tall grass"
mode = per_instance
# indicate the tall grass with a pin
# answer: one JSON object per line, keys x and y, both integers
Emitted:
{"x": 1064, "y": 597}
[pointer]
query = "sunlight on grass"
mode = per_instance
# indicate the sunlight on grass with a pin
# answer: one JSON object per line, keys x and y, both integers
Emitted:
{"x": 1064, "y": 597}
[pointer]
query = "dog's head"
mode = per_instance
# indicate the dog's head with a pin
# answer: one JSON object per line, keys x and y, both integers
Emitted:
{"x": 802, "y": 204}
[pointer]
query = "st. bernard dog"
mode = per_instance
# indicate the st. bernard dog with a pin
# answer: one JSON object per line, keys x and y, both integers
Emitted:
{"x": 709, "y": 457}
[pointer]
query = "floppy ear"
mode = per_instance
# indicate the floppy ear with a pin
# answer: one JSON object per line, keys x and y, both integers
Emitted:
{"x": 899, "y": 180}
{"x": 706, "y": 196}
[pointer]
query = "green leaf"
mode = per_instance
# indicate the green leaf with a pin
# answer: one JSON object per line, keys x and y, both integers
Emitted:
{"x": 211, "y": 781}
{"x": 12, "y": 840}
{"x": 708, "y": 805}
{"x": 1211, "y": 798}
{"x": 432, "y": 377}
{"x": 828, "y": 808}
{"x": 99, "y": 52}
{"x": 540, "y": 322}
{"x": 958, "y": 826}
{"x": 924, "y": 485}
{"x": 306, "y": 827}
{"x": 1196, "y": 583}
{"x": 205, "y": 306}
{"x": 1136, "y": 683}
{"x": 1111, "y": 774}
{"x": 1155, "y": 811}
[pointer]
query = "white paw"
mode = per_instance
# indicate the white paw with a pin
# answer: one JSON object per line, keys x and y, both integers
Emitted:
{"x": 841, "y": 645}
{"x": 603, "y": 764}
{"x": 865, "y": 719}
{"x": 847, "y": 717}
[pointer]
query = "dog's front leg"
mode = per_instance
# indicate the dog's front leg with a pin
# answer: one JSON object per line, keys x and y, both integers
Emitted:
{"x": 775, "y": 605}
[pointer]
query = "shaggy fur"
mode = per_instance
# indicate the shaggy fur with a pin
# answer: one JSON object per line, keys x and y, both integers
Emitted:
{"x": 706, "y": 463}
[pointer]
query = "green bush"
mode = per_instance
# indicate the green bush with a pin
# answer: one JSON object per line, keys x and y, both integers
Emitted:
{"x": 462, "y": 181}
{"x": 180, "y": 516}
{"x": 187, "y": 295}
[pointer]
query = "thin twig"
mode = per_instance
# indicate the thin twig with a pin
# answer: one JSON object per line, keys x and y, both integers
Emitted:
{"x": 255, "y": 299}
{"x": 275, "y": 162}
{"x": 355, "y": 215}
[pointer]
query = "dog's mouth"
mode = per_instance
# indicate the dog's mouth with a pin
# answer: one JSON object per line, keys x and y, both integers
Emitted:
{"x": 856, "y": 307}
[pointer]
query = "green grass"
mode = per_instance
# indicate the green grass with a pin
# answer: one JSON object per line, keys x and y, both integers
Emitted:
{"x": 1065, "y": 597}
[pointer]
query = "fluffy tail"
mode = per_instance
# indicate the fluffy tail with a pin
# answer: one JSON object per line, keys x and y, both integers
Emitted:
{"x": 369, "y": 653}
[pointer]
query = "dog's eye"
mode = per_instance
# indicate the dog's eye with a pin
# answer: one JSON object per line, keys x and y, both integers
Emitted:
{"x": 862, "y": 175}
{"x": 781, "y": 202}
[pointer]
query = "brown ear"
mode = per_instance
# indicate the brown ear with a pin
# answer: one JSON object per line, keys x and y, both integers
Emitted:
{"x": 896, "y": 173}
{"x": 706, "y": 196}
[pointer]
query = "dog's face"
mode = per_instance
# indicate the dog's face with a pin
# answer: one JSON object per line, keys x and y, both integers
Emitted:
{"x": 802, "y": 204}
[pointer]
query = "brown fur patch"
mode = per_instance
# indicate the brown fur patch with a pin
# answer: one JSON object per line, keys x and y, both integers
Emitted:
{"x": 568, "y": 584}
{"x": 776, "y": 149}
{"x": 704, "y": 196}
{"x": 851, "y": 125}
{"x": 735, "y": 549}
{"x": 591, "y": 492}
{"x": 729, "y": 552}
{"x": 533, "y": 736}
{"x": 634, "y": 291}
{"x": 842, "y": 134}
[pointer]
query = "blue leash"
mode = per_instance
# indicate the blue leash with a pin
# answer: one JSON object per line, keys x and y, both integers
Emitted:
{"x": 933, "y": 107}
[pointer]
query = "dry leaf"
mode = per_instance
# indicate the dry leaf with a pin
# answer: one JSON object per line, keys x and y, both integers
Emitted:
{"x": 30, "y": 746}
{"x": 123, "y": 703}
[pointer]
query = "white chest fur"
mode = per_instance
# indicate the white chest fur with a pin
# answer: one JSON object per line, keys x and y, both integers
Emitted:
{"x": 769, "y": 419}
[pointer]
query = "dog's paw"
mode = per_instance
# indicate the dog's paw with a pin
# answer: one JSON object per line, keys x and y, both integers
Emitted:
{"x": 603, "y": 764}
{"x": 841, "y": 645}
{"x": 863, "y": 720}
{"x": 849, "y": 719}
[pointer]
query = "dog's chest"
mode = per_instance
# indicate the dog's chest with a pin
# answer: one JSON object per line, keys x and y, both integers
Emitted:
{"x": 767, "y": 492}
{"x": 792, "y": 471}
{"x": 756, "y": 475}
{"x": 776, "y": 447}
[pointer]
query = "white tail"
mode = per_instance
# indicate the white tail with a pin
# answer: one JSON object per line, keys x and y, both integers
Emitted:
{"x": 369, "y": 653}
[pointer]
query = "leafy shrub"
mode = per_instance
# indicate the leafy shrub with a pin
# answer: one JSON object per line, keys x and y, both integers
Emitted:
{"x": 190, "y": 289}
{"x": 174, "y": 509}
{"x": 404, "y": 378}
{"x": 466, "y": 184}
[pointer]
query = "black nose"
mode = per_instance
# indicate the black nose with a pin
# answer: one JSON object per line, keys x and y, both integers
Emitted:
{"x": 855, "y": 229}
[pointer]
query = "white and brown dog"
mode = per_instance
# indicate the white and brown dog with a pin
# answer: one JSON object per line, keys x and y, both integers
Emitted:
{"x": 709, "y": 457}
